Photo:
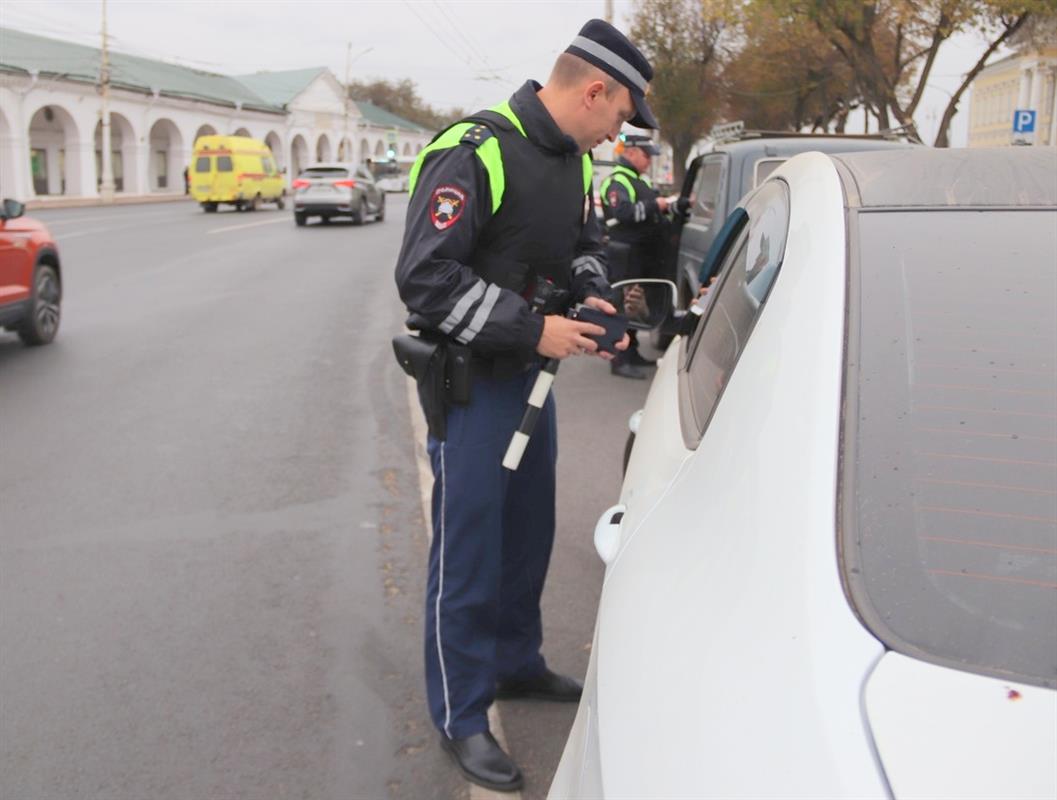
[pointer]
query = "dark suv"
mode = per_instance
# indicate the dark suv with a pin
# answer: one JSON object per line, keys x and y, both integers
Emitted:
{"x": 739, "y": 162}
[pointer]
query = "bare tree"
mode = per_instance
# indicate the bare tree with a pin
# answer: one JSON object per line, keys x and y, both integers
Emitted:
{"x": 684, "y": 41}
{"x": 891, "y": 45}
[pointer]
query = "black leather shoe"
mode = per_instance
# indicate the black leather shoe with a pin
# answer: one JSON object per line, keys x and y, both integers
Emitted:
{"x": 628, "y": 371}
{"x": 482, "y": 761}
{"x": 547, "y": 686}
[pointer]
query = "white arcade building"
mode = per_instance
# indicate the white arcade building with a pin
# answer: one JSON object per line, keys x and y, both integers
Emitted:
{"x": 50, "y": 119}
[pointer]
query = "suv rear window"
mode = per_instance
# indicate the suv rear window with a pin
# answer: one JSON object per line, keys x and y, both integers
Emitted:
{"x": 950, "y": 488}
{"x": 223, "y": 163}
{"x": 325, "y": 172}
{"x": 202, "y": 164}
{"x": 704, "y": 197}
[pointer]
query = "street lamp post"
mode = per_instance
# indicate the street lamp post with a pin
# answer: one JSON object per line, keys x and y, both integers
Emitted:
{"x": 106, "y": 182}
{"x": 345, "y": 142}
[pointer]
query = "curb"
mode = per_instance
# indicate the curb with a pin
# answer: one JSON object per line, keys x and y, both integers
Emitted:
{"x": 127, "y": 200}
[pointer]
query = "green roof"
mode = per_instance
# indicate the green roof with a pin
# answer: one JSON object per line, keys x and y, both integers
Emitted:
{"x": 279, "y": 88}
{"x": 387, "y": 119}
{"x": 26, "y": 52}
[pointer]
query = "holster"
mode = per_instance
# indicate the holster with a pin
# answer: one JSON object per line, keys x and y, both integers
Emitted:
{"x": 442, "y": 372}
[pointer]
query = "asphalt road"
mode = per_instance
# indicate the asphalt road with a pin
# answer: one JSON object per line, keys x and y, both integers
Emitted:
{"x": 212, "y": 546}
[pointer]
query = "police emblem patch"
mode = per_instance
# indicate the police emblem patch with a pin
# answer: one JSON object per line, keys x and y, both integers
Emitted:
{"x": 446, "y": 206}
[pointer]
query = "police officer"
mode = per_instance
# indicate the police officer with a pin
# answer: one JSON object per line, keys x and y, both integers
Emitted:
{"x": 500, "y": 216}
{"x": 635, "y": 215}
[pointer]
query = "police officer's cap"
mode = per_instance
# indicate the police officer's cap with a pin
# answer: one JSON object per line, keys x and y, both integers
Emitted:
{"x": 601, "y": 44}
{"x": 644, "y": 143}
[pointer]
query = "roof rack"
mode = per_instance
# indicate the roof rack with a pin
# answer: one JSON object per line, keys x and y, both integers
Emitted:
{"x": 736, "y": 132}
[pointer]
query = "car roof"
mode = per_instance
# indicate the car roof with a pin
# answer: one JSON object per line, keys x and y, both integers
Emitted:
{"x": 787, "y": 147}
{"x": 927, "y": 177}
{"x": 331, "y": 165}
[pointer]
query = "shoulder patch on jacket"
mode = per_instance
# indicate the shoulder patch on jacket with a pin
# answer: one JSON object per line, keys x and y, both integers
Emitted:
{"x": 446, "y": 206}
{"x": 477, "y": 135}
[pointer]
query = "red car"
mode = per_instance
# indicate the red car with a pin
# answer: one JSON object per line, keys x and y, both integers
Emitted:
{"x": 30, "y": 276}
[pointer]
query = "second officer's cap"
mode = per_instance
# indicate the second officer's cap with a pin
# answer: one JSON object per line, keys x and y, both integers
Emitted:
{"x": 601, "y": 44}
{"x": 644, "y": 143}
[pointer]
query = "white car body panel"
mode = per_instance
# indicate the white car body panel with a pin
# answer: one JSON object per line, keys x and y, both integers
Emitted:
{"x": 945, "y": 733}
{"x": 745, "y": 530}
{"x": 659, "y": 450}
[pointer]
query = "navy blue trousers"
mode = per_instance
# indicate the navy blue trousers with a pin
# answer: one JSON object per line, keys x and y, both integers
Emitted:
{"x": 492, "y": 535}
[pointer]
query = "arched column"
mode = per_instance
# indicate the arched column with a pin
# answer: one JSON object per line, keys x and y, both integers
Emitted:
{"x": 276, "y": 145}
{"x": 299, "y": 158}
{"x": 323, "y": 148}
{"x": 55, "y": 155}
{"x": 165, "y": 162}
{"x": 128, "y": 156}
{"x": 14, "y": 153}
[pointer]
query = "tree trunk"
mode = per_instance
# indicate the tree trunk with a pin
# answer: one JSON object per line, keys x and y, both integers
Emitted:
{"x": 680, "y": 152}
{"x": 943, "y": 134}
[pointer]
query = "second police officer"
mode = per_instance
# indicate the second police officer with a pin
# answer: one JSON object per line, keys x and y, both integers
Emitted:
{"x": 635, "y": 215}
{"x": 500, "y": 209}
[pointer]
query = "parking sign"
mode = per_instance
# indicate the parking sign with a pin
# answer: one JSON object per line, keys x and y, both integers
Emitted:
{"x": 1024, "y": 120}
{"x": 1024, "y": 126}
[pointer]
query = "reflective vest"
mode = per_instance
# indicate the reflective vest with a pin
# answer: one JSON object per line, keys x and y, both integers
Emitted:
{"x": 539, "y": 200}
{"x": 626, "y": 177}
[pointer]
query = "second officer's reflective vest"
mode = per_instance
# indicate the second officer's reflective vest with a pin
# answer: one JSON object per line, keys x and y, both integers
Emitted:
{"x": 626, "y": 177}
{"x": 539, "y": 201}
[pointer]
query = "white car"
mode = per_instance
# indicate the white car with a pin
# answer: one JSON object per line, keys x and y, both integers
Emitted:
{"x": 833, "y": 568}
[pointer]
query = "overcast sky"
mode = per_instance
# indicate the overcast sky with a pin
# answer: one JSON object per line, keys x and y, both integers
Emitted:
{"x": 458, "y": 52}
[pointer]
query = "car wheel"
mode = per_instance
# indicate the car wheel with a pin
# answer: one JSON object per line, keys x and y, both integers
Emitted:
{"x": 299, "y": 219}
{"x": 280, "y": 203}
{"x": 360, "y": 216}
{"x": 380, "y": 216}
{"x": 209, "y": 208}
{"x": 42, "y": 323}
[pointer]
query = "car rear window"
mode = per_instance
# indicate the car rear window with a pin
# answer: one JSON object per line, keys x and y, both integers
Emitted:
{"x": 763, "y": 169}
{"x": 202, "y": 164}
{"x": 223, "y": 163}
{"x": 950, "y": 493}
{"x": 325, "y": 172}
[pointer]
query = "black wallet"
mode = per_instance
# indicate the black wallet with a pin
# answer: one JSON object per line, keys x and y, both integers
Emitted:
{"x": 615, "y": 325}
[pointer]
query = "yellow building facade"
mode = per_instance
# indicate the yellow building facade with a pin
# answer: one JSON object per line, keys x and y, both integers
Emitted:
{"x": 1023, "y": 81}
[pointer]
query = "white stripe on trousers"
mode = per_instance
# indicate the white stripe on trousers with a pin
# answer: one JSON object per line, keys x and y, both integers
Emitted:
{"x": 440, "y": 593}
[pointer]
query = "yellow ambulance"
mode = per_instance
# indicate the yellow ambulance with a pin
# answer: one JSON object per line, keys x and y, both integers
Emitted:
{"x": 236, "y": 170}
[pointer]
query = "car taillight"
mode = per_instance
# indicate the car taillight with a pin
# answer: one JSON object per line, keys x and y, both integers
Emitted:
{"x": 301, "y": 184}
{"x": 348, "y": 183}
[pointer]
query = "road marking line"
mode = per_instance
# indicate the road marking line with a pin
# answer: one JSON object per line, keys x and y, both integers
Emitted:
{"x": 62, "y": 237}
{"x": 425, "y": 483}
{"x": 284, "y": 218}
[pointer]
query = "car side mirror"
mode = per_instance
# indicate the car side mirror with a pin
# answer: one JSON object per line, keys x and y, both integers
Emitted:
{"x": 12, "y": 209}
{"x": 647, "y": 302}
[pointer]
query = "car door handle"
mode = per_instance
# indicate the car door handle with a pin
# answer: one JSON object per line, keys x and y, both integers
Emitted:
{"x": 607, "y": 532}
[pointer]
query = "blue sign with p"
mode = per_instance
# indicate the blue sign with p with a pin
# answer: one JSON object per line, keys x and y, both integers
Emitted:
{"x": 1024, "y": 121}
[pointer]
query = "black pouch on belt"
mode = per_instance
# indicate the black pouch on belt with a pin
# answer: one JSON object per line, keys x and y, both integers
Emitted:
{"x": 458, "y": 374}
{"x": 425, "y": 361}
